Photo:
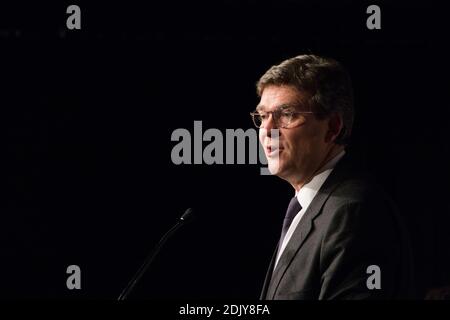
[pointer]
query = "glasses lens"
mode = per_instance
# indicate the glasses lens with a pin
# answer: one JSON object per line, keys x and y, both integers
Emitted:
{"x": 284, "y": 119}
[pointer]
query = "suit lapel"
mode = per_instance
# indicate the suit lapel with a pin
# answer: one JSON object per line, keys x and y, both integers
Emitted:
{"x": 304, "y": 227}
{"x": 295, "y": 243}
{"x": 268, "y": 275}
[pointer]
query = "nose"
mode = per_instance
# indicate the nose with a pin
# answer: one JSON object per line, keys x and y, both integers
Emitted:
{"x": 269, "y": 125}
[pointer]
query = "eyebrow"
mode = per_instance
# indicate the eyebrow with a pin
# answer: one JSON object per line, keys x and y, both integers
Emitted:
{"x": 281, "y": 106}
{"x": 260, "y": 107}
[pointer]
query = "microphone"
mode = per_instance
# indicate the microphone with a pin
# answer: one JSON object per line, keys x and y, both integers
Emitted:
{"x": 187, "y": 215}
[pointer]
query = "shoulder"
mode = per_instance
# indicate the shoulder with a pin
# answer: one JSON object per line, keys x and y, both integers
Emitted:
{"x": 350, "y": 184}
{"x": 358, "y": 189}
{"x": 356, "y": 196}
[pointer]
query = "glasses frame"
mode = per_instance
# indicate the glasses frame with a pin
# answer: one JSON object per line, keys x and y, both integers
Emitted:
{"x": 275, "y": 116}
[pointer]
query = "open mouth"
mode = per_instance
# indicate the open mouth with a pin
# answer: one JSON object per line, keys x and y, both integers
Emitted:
{"x": 273, "y": 151}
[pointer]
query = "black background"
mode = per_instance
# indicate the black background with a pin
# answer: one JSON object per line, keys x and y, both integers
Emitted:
{"x": 87, "y": 116}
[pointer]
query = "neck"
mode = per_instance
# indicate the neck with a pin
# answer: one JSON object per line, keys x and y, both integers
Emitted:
{"x": 333, "y": 152}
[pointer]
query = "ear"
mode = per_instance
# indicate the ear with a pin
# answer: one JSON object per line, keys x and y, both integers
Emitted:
{"x": 335, "y": 126}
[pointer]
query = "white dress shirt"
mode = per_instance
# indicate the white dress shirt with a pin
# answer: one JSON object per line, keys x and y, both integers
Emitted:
{"x": 306, "y": 195}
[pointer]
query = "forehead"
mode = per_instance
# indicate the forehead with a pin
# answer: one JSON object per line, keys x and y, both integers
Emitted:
{"x": 274, "y": 96}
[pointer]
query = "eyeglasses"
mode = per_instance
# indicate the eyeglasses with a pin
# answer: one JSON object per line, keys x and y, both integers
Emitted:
{"x": 283, "y": 117}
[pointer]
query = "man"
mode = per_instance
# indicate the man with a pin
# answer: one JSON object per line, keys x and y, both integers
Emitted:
{"x": 342, "y": 237}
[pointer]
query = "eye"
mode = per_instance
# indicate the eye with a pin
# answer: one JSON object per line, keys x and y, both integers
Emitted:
{"x": 263, "y": 116}
{"x": 286, "y": 113}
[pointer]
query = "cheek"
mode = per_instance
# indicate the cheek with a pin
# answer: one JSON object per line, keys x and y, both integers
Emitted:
{"x": 299, "y": 145}
{"x": 294, "y": 142}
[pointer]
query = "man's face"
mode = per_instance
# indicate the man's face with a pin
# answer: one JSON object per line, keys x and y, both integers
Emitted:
{"x": 302, "y": 147}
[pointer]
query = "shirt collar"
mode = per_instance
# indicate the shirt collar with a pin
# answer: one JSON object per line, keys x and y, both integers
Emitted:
{"x": 307, "y": 193}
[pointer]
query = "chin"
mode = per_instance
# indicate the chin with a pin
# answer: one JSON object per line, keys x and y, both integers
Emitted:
{"x": 273, "y": 168}
{"x": 276, "y": 167}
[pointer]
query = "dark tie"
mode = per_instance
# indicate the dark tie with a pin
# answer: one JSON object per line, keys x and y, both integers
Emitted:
{"x": 292, "y": 210}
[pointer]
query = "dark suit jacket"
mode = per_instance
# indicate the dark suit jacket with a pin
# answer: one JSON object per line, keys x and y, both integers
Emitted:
{"x": 350, "y": 225}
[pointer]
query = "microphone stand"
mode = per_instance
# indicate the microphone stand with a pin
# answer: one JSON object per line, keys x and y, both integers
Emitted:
{"x": 129, "y": 288}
